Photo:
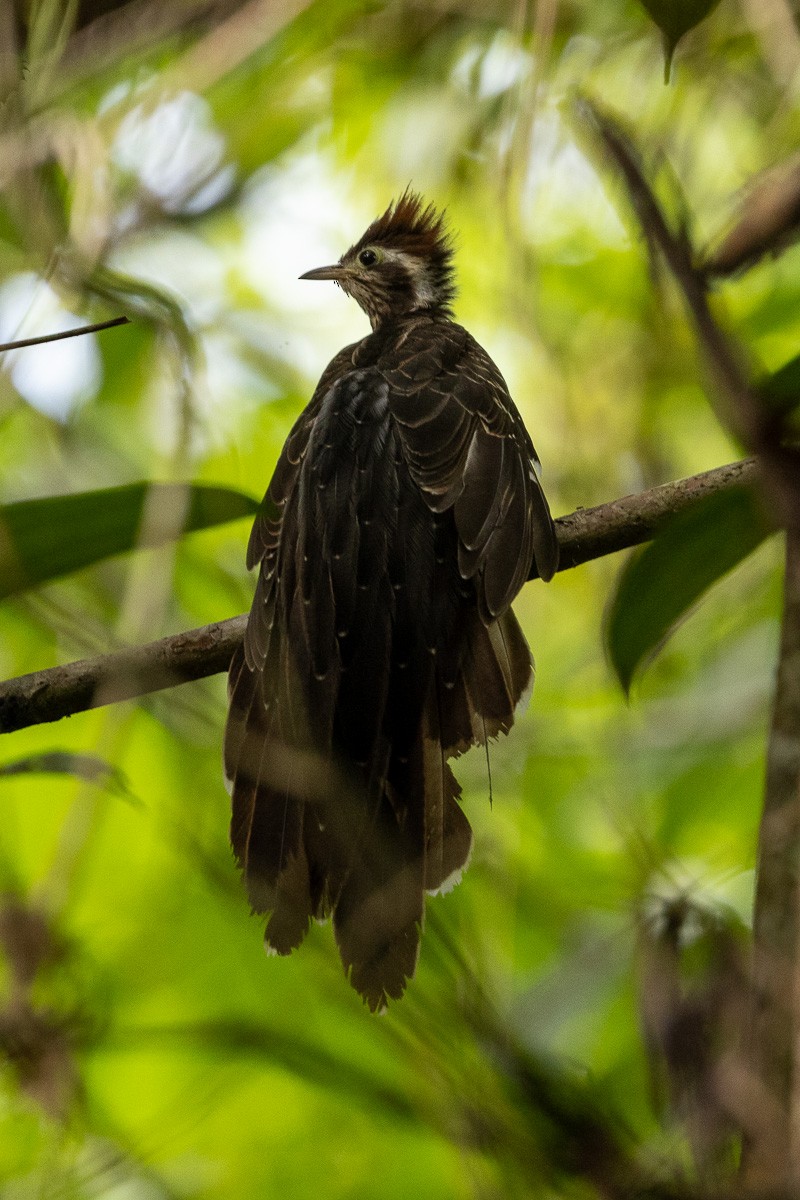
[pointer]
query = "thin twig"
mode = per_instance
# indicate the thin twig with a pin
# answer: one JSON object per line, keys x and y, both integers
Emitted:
{"x": 767, "y": 221}
{"x": 65, "y": 333}
{"x": 583, "y": 535}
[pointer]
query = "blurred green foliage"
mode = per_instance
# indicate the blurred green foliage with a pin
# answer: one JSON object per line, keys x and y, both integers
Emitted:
{"x": 183, "y": 164}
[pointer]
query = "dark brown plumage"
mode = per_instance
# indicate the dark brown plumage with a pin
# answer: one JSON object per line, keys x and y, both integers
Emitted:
{"x": 402, "y": 519}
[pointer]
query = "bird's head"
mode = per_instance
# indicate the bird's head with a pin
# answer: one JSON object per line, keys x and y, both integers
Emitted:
{"x": 403, "y": 263}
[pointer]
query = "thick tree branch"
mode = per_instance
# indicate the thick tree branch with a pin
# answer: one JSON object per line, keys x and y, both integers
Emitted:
{"x": 92, "y": 682}
{"x": 583, "y": 535}
{"x": 594, "y": 532}
{"x": 773, "y": 1158}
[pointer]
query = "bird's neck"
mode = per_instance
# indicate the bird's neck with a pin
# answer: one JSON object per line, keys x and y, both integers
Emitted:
{"x": 386, "y": 322}
{"x": 390, "y": 334}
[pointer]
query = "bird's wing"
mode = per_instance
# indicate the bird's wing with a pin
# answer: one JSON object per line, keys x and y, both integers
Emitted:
{"x": 314, "y": 716}
{"x": 472, "y": 467}
{"x": 267, "y": 527}
{"x": 467, "y": 448}
{"x": 265, "y": 741}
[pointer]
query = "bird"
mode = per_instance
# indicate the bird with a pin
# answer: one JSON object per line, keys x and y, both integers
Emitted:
{"x": 404, "y": 515}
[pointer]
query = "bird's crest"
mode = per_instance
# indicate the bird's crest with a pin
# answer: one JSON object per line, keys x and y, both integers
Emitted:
{"x": 411, "y": 225}
{"x": 414, "y": 227}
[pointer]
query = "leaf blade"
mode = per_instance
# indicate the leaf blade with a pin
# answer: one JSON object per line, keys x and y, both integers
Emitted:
{"x": 663, "y": 580}
{"x": 675, "y": 18}
{"x": 47, "y": 538}
{"x": 88, "y": 767}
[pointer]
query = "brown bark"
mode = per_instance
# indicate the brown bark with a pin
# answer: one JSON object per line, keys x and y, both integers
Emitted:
{"x": 583, "y": 535}
{"x": 772, "y": 1160}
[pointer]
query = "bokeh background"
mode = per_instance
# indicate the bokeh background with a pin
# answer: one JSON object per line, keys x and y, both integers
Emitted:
{"x": 184, "y": 164}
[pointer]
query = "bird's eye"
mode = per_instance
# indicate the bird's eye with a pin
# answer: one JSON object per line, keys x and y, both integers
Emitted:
{"x": 367, "y": 258}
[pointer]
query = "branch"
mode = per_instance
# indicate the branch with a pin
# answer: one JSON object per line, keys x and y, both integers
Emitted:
{"x": 92, "y": 682}
{"x": 767, "y": 222}
{"x": 583, "y": 535}
{"x": 745, "y": 416}
{"x": 64, "y": 333}
{"x": 594, "y": 532}
{"x": 771, "y": 1154}
{"x": 773, "y": 1157}
{"x": 752, "y": 421}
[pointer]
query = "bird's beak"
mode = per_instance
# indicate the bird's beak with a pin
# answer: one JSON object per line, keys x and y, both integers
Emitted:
{"x": 336, "y": 271}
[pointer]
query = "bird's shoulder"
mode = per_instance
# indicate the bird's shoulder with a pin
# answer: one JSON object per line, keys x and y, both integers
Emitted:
{"x": 423, "y": 352}
{"x": 426, "y": 349}
{"x": 466, "y": 448}
{"x": 296, "y": 443}
{"x": 340, "y": 365}
{"x": 429, "y": 360}
{"x": 266, "y": 529}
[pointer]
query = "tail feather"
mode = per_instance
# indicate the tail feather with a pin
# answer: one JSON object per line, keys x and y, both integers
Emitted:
{"x": 378, "y": 916}
{"x": 364, "y": 847}
{"x": 292, "y": 909}
{"x": 461, "y": 726}
{"x": 267, "y": 813}
{"x": 498, "y": 675}
{"x": 444, "y": 867}
{"x": 433, "y": 782}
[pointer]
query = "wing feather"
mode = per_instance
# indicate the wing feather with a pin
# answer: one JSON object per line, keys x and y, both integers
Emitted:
{"x": 467, "y": 448}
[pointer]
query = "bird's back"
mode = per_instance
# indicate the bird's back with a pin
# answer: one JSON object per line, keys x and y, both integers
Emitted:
{"x": 402, "y": 518}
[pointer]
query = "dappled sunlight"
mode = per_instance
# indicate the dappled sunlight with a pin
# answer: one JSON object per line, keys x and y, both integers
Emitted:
{"x": 57, "y": 378}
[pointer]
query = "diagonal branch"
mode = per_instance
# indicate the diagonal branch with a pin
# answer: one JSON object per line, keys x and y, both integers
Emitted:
{"x": 583, "y": 535}
{"x": 79, "y": 331}
{"x": 743, "y": 413}
{"x": 757, "y": 426}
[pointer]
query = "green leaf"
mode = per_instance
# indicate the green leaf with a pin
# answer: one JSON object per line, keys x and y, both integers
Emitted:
{"x": 782, "y": 390}
{"x": 675, "y": 18}
{"x": 64, "y": 762}
{"x": 44, "y": 539}
{"x": 661, "y": 582}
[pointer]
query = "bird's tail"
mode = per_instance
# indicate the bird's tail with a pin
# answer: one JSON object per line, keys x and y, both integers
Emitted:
{"x": 314, "y": 841}
{"x": 421, "y": 840}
